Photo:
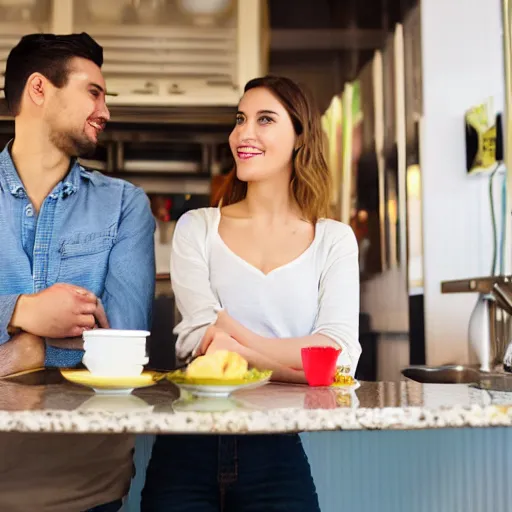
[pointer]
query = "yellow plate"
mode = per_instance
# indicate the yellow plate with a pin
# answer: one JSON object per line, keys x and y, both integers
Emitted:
{"x": 24, "y": 372}
{"x": 103, "y": 384}
{"x": 251, "y": 377}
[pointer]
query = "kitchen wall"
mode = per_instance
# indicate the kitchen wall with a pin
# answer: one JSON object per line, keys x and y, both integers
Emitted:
{"x": 462, "y": 66}
{"x": 163, "y": 241}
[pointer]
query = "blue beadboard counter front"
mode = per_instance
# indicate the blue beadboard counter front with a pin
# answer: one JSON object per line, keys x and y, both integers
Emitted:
{"x": 52, "y": 405}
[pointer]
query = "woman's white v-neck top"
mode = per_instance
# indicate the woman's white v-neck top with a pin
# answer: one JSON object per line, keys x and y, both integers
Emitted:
{"x": 317, "y": 292}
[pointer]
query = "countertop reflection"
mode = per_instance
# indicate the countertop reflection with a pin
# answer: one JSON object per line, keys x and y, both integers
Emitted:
{"x": 45, "y": 402}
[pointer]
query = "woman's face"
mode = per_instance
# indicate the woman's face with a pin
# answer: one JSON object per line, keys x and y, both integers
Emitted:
{"x": 263, "y": 139}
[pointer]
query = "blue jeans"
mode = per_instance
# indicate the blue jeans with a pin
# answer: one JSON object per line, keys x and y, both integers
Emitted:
{"x": 113, "y": 506}
{"x": 252, "y": 473}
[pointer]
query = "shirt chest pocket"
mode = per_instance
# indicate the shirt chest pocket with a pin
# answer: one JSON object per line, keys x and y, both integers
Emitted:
{"x": 84, "y": 260}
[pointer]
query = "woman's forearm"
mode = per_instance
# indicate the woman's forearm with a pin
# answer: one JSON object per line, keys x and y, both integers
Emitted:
{"x": 223, "y": 341}
{"x": 285, "y": 351}
{"x": 280, "y": 373}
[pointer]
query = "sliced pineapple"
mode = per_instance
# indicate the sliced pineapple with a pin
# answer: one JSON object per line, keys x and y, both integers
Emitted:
{"x": 204, "y": 367}
{"x": 235, "y": 366}
{"x": 218, "y": 365}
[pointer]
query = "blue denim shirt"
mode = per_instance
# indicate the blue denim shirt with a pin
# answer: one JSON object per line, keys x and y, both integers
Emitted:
{"x": 92, "y": 231}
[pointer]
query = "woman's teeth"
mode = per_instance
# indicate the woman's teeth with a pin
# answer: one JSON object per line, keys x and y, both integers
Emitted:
{"x": 246, "y": 153}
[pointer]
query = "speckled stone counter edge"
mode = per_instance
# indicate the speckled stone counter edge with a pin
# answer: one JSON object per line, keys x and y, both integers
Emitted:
{"x": 247, "y": 422}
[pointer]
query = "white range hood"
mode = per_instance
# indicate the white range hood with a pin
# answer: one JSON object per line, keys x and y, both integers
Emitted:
{"x": 162, "y": 53}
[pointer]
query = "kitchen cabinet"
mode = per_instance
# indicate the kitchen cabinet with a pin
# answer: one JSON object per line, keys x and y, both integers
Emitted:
{"x": 156, "y": 52}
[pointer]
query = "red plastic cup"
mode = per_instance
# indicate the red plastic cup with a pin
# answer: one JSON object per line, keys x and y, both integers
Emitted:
{"x": 319, "y": 364}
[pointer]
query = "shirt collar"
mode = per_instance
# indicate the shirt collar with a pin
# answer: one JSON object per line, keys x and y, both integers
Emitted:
{"x": 9, "y": 175}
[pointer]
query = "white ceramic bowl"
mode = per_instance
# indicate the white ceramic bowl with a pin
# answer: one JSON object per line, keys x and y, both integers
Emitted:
{"x": 119, "y": 367}
{"x": 116, "y": 357}
{"x": 114, "y": 351}
{"x": 115, "y": 338}
{"x": 115, "y": 334}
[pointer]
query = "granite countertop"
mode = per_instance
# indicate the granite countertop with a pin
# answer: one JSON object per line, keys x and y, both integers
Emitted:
{"x": 44, "y": 402}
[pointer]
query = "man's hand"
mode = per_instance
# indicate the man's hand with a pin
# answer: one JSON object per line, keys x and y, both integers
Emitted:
{"x": 101, "y": 316}
{"x": 60, "y": 311}
{"x": 22, "y": 352}
{"x": 77, "y": 343}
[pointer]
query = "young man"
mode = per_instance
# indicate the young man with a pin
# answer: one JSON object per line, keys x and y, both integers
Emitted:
{"x": 69, "y": 237}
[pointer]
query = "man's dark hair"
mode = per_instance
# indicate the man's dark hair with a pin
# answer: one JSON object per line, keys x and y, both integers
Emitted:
{"x": 48, "y": 54}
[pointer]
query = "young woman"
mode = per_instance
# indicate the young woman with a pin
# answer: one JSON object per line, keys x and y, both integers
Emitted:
{"x": 263, "y": 275}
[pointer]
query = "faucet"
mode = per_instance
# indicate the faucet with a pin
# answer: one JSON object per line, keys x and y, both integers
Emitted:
{"x": 490, "y": 324}
{"x": 502, "y": 293}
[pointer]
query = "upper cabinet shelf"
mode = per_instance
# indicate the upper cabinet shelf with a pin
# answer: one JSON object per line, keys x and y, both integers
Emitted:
{"x": 157, "y": 52}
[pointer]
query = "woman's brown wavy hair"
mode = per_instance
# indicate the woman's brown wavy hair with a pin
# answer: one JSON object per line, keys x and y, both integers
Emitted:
{"x": 311, "y": 180}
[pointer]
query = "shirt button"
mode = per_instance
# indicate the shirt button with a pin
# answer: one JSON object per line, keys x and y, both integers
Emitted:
{"x": 29, "y": 211}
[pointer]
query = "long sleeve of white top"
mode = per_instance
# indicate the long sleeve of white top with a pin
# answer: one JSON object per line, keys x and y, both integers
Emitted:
{"x": 190, "y": 281}
{"x": 338, "y": 302}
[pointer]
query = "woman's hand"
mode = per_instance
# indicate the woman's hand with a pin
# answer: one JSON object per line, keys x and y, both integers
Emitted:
{"x": 208, "y": 337}
{"x": 223, "y": 341}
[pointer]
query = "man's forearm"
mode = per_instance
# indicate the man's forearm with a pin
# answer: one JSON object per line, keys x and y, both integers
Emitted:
{"x": 22, "y": 352}
{"x": 7, "y": 307}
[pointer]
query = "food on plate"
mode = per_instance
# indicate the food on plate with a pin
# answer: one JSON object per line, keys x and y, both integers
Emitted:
{"x": 218, "y": 365}
{"x": 342, "y": 378}
{"x": 219, "y": 368}
{"x": 205, "y": 367}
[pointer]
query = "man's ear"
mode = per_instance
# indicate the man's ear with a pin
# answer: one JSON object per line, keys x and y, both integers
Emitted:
{"x": 36, "y": 88}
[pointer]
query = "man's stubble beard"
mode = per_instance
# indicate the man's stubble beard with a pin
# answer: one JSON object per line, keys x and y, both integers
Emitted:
{"x": 73, "y": 145}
